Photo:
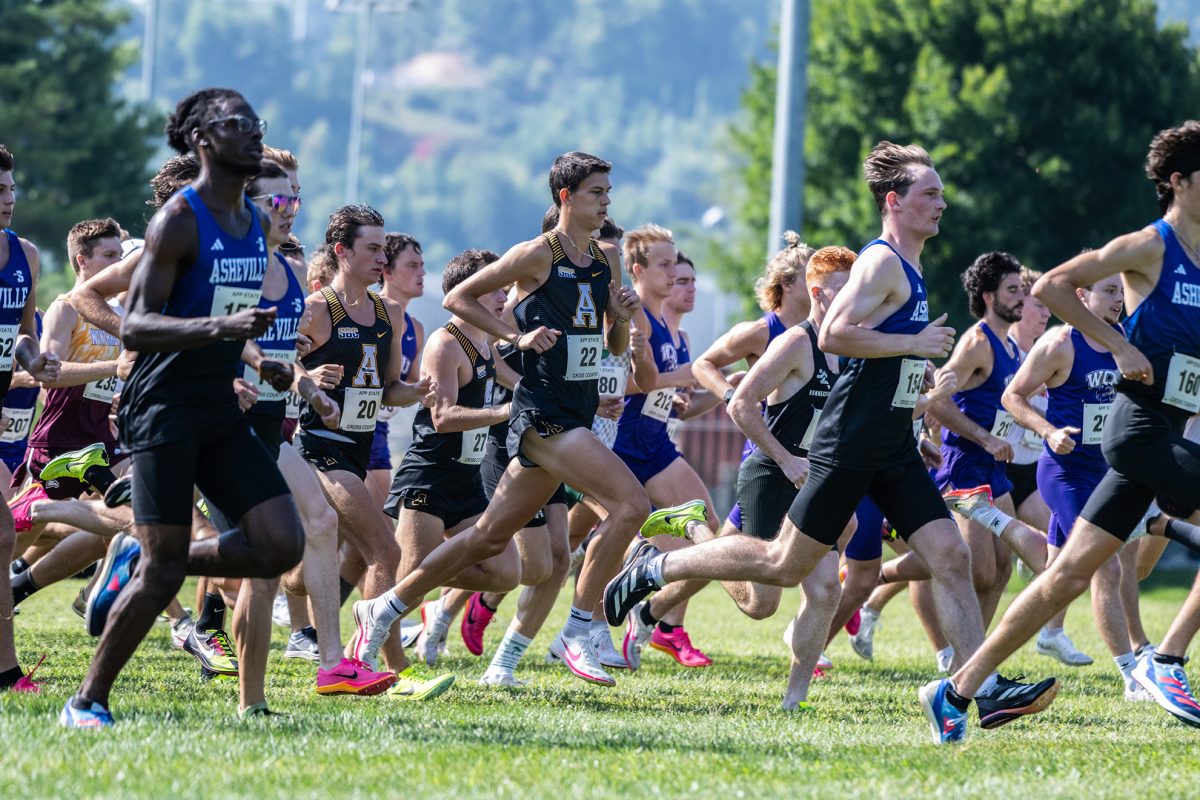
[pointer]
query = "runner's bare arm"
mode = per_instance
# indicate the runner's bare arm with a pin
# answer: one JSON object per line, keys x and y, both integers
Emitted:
{"x": 57, "y": 326}
{"x": 90, "y": 298}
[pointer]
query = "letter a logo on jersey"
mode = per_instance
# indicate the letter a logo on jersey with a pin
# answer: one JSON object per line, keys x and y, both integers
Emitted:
{"x": 585, "y": 309}
{"x": 368, "y": 368}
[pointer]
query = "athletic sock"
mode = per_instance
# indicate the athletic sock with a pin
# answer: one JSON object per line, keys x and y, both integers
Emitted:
{"x": 483, "y": 603}
{"x": 212, "y": 613}
{"x": 1049, "y": 633}
{"x": 867, "y": 611}
{"x": 512, "y": 647}
{"x": 945, "y": 655}
{"x": 100, "y": 477}
{"x": 345, "y": 590}
{"x": 18, "y": 566}
{"x": 1162, "y": 658}
{"x": 1143, "y": 650}
{"x": 991, "y": 518}
{"x": 1126, "y": 662}
{"x": 989, "y": 685}
{"x": 10, "y": 677}
{"x": 666, "y": 628}
{"x": 957, "y": 700}
{"x": 578, "y": 622}
{"x": 23, "y": 586}
{"x": 1185, "y": 533}
{"x": 656, "y": 570}
{"x": 387, "y": 608}
{"x": 441, "y": 618}
{"x": 648, "y": 619}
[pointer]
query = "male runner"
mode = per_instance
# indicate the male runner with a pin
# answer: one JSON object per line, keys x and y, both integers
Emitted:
{"x": 1159, "y": 363}
{"x": 192, "y": 304}
{"x": 863, "y": 444}
{"x": 570, "y": 294}
{"x": 18, "y": 343}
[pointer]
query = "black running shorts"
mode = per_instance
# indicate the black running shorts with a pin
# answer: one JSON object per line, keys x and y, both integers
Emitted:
{"x": 493, "y": 467}
{"x": 1024, "y": 481}
{"x": 905, "y": 494}
{"x": 230, "y": 467}
{"x": 764, "y": 494}
{"x": 327, "y": 455}
{"x": 451, "y": 501}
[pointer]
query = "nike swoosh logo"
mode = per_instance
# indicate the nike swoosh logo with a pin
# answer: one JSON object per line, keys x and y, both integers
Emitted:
{"x": 350, "y": 675}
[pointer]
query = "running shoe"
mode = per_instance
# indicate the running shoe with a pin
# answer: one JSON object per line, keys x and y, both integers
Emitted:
{"x": 75, "y": 463}
{"x": 1061, "y": 647}
{"x": 431, "y": 644}
{"x": 303, "y": 644}
{"x": 353, "y": 677}
{"x": 1011, "y": 699}
{"x": 1168, "y": 685}
{"x": 181, "y": 629}
{"x": 673, "y": 521}
{"x": 602, "y": 643}
{"x": 946, "y": 723}
{"x": 637, "y": 636}
{"x": 678, "y": 645}
{"x": 410, "y": 629}
{"x": 803, "y": 707}
{"x": 368, "y": 636}
{"x": 497, "y": 676}
{"x": 863, "y": 642}
{"x": 1136, "y": 693}
{"x": 94, "y": 716}
{"x": 854, "y": 624}
{"x": 114, "y": 575}
{"x": 25, "y": 684}
{"x": 577, "y": 653}
{"x": 260, "y": 710}
{"x": 965, "y": 501}
{"x": 79, "y": 604}
{"x": 22, "y": 506}
{"x": 280, "y": 614}
{"x": 475, "y": 620}
{"x": 633, "y": 584}
{"x": 824, "y": 662}
{"x": 120, "y": 492}
{"x": 213, "y": 650}
{"x": 419, "y": 683}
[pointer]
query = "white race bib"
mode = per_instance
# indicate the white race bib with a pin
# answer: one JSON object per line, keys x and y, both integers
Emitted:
{"x": 673, "y": 426}
{"x": 658, "y": 404}
{"x": 612, "y": 380}
{"x": 1094, "y": 417}
{"x": 101, "y": 390}
{"x": 583, "y": 357}
{"x": 8, "y": 345}
{"x": 291, "y": 406}
{"x": 1003, "y": 424}
{"x": 474, "y": 444}
{"x": 266, "y": 392}
{"x": 1182, "y": 388}
{"x": 229, "y": 300}
{"x": 360, "y": 409}
{"x": 908, "y": 387}
{"x": 387, "y": 412}
{"x": 19, "y": 420}
{"x": 806, "y": 442}
{"x": 1031, "y": 439}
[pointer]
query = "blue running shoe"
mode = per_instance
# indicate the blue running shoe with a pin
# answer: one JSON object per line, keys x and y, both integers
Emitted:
{"x": 114, "y": 575}
{"x": 946, "y": 723}
{"x": 1168, "y": 684}
{"x": 94, "y": 716}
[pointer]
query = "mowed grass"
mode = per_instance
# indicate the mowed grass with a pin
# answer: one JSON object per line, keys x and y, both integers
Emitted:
{"x": 665, "y": 731}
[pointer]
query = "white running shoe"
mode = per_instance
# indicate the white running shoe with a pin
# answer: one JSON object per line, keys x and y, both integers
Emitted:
{"x": 431, "y": 642}
{"x": 944, "y": 659}
{"x": 637, "y": 636}
{"x": 369, "y": 634}
{"x": 1136, "y": 693}
{"x": 410, "y": 629}
{"x": 602, "y": 643}
{"x": 495, "y": 676}
{"x": 824, "y": 663}
{"x": 1061, "y": 647}
{"x": 280, "y": 614}
{"x": 180, "y": 629}
{"x": 863, "y": 642}
{"x": 577, "y": 653}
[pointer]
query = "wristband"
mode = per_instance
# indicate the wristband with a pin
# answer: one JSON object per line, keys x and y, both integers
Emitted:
{"x": 728, "y": 395}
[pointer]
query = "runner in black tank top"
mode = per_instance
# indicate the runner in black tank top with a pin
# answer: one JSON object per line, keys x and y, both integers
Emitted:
{"x": 352, "y": 337}
{"x": 560, "y": 291}
{"x": 192, "y": 303}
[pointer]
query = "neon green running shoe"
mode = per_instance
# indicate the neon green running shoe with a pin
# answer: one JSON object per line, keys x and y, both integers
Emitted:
{"x": 420, "y": 683}
{"x": 213, "y": 650}
{"x": 674, "y": 521}
{"x": 75, "y": 463}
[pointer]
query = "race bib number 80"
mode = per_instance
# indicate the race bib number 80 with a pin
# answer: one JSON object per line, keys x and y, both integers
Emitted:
{"x": 583, "y": 358}
{"x": 612, "y": 380}
{"x": 1182, "y": 389}
{"x": 908, "y": 387}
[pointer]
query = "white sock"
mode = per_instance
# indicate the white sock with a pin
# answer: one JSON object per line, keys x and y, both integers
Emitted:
{"x": 945, "y": 655}
{"x": 441, "y": 618}
{"x": 991, "y": 518}
{"x": 988, "y": 685}
{"x": 1049, "y": 633}
{"x": 1126, "y": 662}
{"x": 599, "y": 627}
{"x": 656, "y": 570}
{"x": 579, "y": 622}
{"x": 508, "y": 655}
{"x": 387, "y": 608}
{"x": 867, "y": 611}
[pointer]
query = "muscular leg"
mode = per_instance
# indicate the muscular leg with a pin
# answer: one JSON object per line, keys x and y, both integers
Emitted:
{"x": 676, "y": 484}
{"x": 939, "y": 545}
{"x": 821, "y": 590}
{"x": 862, "y": 577}
{"x": 8, "y": 540}
{"x": 267, "y": 541}
{"x": 1130, "y": 603}
{"x": 1107, "y": 607}
{"x": 537, "y": 599}
{"x": 1183, "y": 628}
{"x": 252, "y": 635}
{"x": 69, "y": 557}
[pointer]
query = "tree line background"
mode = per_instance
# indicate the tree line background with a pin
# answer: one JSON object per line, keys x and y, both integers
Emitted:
{"x": 1037, "y": 112}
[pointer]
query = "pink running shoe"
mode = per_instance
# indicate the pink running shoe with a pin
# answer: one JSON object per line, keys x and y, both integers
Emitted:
{"x": 21, "y": 506}
{"x": 678, "y": 646}
{"x": 475, "y": 620}
{"x": 353, "y": 677}
{"x": 854, "y": 623}
{"x": 25, "y": 684}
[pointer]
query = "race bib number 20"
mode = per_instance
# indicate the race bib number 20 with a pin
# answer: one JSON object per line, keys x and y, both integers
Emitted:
{"x": 361, "y": 408}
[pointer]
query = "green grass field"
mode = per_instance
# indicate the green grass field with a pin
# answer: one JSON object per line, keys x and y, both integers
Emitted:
{"x": 664, "y": 732}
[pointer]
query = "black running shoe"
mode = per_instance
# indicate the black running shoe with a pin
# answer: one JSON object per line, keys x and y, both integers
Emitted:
{"x": 631, "y": 586}
{"x": 1011, "y": 699}
{"x": 120, "y": 493}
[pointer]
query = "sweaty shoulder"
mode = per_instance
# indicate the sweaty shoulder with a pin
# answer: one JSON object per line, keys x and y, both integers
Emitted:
{"x": 394, "y": 311}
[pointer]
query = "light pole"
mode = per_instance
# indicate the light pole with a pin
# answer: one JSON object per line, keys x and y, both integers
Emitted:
{"x": 149, "y": 49}
{"x": 791, "y": 95}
